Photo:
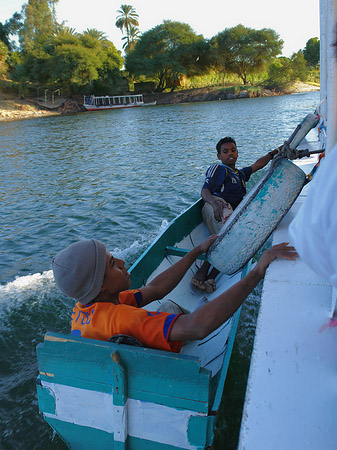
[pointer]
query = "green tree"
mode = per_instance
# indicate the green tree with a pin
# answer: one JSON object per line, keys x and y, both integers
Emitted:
{"x": 282, "y": 72}
{"x": 75, "y": 59}
{"x": 299, "y": 67}
{"x": 78, "y": 60}
{"x": 167, "y": 52}
{"x": 35, "y": 66}
{"x": 37, "y": 63}
{"x": 109, "y": 74}
{"x": 279, "y": 74}
{"x": 39, "y": 23}
{"x": 244, "y": 50}
{"x": 3, "y": 57}
{"x": 127, "y": 20}
{"x": 71, "y": 60}
{"x": 10, "y": 28}
{"x": 311, "y": 52}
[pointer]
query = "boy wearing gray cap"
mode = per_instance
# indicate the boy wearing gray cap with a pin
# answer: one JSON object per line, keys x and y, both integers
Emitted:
{"x": 106, "y": 306}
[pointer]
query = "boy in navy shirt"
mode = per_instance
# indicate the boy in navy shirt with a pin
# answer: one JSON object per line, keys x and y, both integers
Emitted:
{"x": 223, "y": 190}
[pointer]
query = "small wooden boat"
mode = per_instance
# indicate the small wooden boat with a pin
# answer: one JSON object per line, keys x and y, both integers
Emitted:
{"x": 104, "y": 395}
{"x": 93, "y": 103}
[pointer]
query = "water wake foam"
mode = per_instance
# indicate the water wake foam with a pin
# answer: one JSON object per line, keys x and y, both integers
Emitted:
{"x": 28, "y": 284}
{"x": 43, "y": 284}
{"x": 131, "y": 253}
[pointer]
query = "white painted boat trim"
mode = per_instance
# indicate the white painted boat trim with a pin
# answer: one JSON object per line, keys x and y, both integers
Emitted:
{"x": 291, "y": 394}
{"x": 146, "y": 420}
{"x": 120, "y": 423}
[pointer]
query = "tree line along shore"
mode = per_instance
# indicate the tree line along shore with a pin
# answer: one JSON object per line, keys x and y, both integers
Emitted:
{"x": 169, "y": 63}
{"x": 14, "y": 108}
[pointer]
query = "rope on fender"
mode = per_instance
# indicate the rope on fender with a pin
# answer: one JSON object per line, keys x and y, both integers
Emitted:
{"x": 310, "y": 175}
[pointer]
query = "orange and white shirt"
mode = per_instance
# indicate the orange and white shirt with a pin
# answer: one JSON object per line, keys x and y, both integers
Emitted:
{"x": 101, "y": 320}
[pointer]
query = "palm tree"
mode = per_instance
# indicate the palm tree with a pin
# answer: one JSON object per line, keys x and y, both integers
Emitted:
{"x": 95, "y": 34}
{"x": 131, "y": 39}
{"x": 126, "y": 19}
{"x": 62, "y": 31}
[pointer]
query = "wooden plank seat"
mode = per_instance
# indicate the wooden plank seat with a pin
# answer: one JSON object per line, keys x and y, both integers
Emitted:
{"x": 177, "y": 251}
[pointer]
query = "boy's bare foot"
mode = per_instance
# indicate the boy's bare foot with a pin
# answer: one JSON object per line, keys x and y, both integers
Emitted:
{"x": 204, "y": 281}
{"x": 207, "y": 286}
{"x": 210, "y": 286}
{"x": 198, "y": 279}
{"x": 199, "y": 284}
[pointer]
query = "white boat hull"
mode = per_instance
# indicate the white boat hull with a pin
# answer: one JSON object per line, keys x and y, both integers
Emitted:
{"x": 103, "y": 108}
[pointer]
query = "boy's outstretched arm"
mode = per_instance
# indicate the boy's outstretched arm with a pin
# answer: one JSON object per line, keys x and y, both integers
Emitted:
{"x": 210, "y": 316}
{"x": 264, "y": 160}
{"x": 168, "y": 280}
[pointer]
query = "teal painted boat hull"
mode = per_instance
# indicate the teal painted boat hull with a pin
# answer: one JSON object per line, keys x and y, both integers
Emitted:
{"x": 257, "y": 216}
{"x": 104, "y": 395}
{"x": 78, "y": 398}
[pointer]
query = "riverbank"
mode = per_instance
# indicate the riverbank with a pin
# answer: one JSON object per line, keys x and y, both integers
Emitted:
{"x": 227, "y": 93}
{"x": 12, "y": 108}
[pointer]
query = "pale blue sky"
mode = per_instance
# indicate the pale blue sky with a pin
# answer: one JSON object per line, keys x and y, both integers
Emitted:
{"x": 295, "y": 21}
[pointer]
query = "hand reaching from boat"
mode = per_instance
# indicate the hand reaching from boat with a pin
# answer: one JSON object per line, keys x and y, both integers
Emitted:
{"x": 211, "y": 315}
{"x": 163, "y": 283}
{"x": 283, "y": 251}
{"x": 205, "y": 245}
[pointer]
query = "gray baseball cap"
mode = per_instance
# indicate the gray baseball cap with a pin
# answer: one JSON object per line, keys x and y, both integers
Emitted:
{"x": 79, "y": 270}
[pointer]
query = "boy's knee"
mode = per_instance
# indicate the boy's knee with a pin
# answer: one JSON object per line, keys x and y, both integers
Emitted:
{"x": 171, "y": 307}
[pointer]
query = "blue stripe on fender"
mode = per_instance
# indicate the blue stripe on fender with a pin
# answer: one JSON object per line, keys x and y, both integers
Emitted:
{"x": 168, "y": 322}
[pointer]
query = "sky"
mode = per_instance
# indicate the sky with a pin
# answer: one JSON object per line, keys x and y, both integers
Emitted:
{"x": 296, "y": 21}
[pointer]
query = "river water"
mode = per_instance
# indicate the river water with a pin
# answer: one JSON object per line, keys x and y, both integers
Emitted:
{"x": 117, "y": 176}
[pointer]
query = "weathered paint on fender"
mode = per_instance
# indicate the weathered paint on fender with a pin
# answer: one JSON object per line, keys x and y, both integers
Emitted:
{"x": 256, "y": 217}
{"x": 307, "y": 124}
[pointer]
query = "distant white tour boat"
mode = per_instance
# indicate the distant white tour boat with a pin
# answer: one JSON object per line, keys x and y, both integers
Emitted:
{"x": 93, "y": 103}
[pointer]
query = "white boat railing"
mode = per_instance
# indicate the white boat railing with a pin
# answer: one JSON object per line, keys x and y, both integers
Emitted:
{"x": 114, "y": 100}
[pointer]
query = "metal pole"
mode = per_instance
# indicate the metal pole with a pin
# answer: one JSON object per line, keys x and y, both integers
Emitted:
{"x": 331, "y": 92}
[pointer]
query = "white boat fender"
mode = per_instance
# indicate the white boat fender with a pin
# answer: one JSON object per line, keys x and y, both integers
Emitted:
{"x": 308, "y": 123}
{"x": 257, "y": 216}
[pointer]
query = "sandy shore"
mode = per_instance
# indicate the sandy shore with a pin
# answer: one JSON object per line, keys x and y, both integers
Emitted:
{"x": 17, "y": 109}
